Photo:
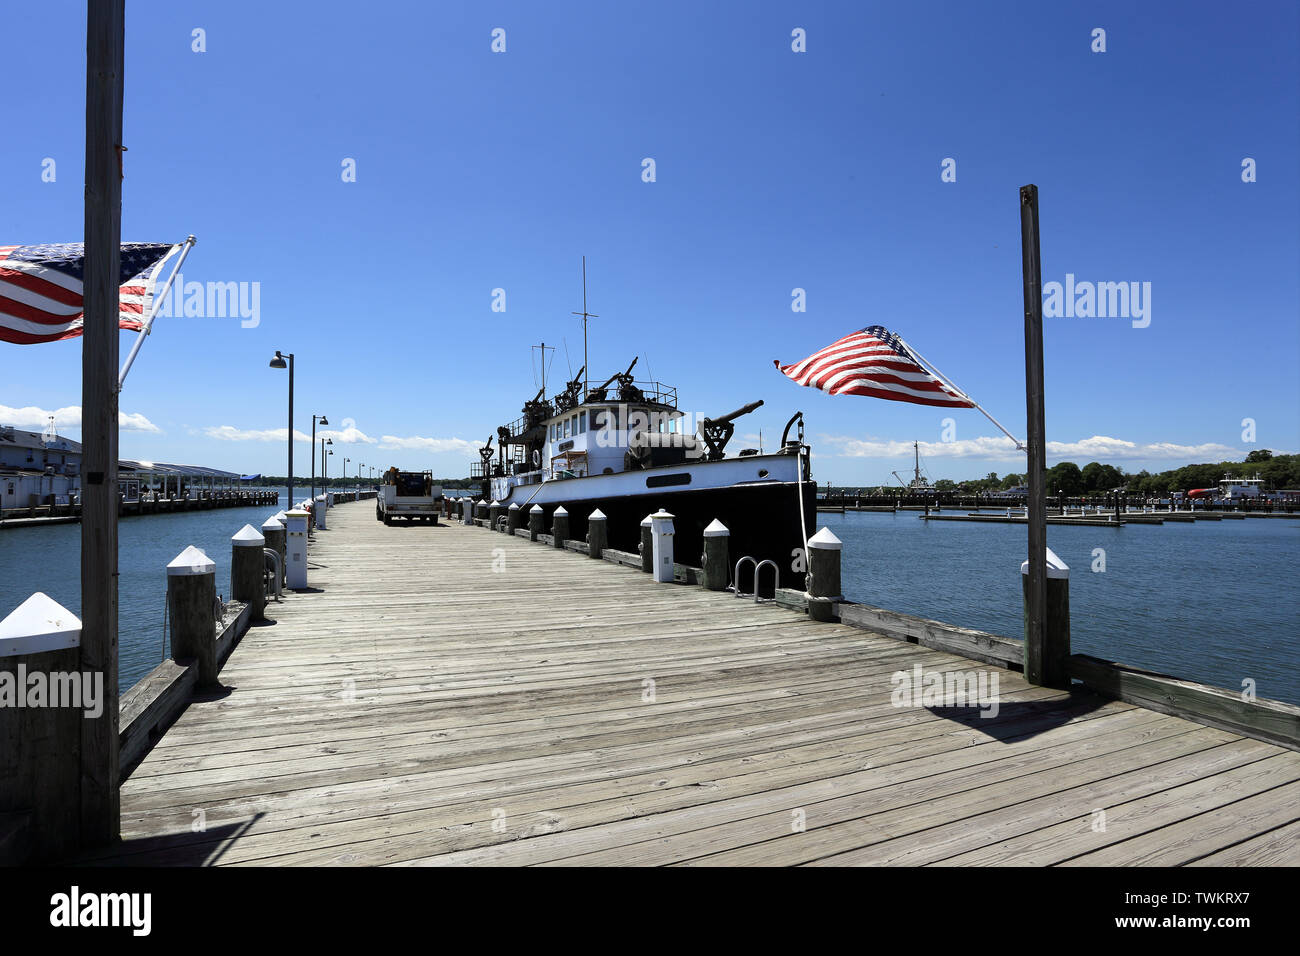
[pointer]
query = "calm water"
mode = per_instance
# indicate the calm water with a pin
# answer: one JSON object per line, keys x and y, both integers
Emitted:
{"x": 1213, "y": 601}
{"x": 49, "y": 559}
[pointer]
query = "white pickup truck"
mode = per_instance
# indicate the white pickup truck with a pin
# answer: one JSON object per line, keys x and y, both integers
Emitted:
{"x": 408, "y": 496}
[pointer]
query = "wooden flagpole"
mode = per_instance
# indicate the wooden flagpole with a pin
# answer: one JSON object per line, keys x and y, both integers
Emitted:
{"x": 1042, "y": 666}
{"x": 105, "y": 40}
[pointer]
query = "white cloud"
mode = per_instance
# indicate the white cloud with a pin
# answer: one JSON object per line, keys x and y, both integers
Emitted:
{"x": 417, "y": 443}
{"x": 69, "y": 417}
{"x": 350, "y": 435}
{"x": 231, "y": 433}
{"x": 1096, "y": 448}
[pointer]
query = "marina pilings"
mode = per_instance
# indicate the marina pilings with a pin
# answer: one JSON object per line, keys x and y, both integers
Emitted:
{"x": 647, "y": 545}
{"x": 248, "y": 570}
{"x": 559, "y": 527}
{"x": 824, "y": 550}
{"x": 717, "y": 556}
{"x": 191, "y": 601}
{"x": 273, "y": 532}
{"x": 597, "y": 534}
{"x": 1053, "y": 656}
{"x": 40, "y": 745}
{"x": 495, "y": 511}
{"x": 535, "y": 517}
{"x": 514, "y": 517}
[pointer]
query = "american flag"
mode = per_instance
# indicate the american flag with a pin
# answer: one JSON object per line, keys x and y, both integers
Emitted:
{"x": 877, "y": 363}
{"x": 41, "y": 288}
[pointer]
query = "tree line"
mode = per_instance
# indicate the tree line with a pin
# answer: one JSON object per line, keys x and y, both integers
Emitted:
{"x": 1096, "y": 478}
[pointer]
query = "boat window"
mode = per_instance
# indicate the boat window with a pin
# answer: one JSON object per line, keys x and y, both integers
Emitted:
{"x": 582, "y": 421}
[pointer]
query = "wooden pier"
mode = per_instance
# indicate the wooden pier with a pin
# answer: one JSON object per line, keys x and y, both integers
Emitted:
{"x": 449, "y": 695}
{"x": 40, "y": 515}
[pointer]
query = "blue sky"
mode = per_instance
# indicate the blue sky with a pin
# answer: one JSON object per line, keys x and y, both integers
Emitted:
{"x": 774, "y": 170}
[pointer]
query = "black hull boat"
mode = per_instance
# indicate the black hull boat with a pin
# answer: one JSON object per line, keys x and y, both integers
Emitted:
{"x": 627, "y": 451}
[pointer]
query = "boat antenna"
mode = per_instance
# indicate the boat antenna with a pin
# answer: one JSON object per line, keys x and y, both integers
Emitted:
{"x": 585, "y": 316}
{"x": 543, "y": 348}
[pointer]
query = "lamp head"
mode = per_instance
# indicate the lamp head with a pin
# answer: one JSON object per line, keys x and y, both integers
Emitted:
{"x": 324, "y": 420}
{"x": 278, "y": 361}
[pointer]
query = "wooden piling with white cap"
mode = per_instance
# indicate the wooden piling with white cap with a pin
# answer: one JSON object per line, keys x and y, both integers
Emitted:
{"x": 559, "y": 527}
{"x": 1052, "y": 660}
{"x": 191, "y": 599}
{"x": 273, "y": 532}
{"x": 248, "y": 570}
{"x": 597, "y": 534}
{"x": 647, "y": 545}
{"x": 824, "y": 575}
{"x": 717, "y": 556}
{"x": 40, "y": 746}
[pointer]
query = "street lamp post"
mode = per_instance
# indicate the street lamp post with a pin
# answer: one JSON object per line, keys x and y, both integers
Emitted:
{"x": 324, "y": 471}
{"x": 278, "y": 362}
{"x": 324, "y": 421}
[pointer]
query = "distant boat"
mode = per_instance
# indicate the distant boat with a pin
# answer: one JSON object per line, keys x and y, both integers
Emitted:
{"x": 919, "y": 485}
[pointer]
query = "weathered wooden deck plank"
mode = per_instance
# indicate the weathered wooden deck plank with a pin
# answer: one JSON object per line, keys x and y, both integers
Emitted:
{"x": 417, "y": 698}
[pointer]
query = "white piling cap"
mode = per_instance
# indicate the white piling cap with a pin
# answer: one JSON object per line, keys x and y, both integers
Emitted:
{"x": 482, "y": 501}
{"x": 39, "y": 624}
{"x": 596, "y": 515}
{"x": 279, "y": 516}
{"x": 495, "y": 503}
{"x": 248, "y": 537}
{"x": 534, "y": 508}
{"x": 191, "y": 561}
{"x": 716, "y": 529}
{"x": 560, "y": 511}
{"x": 1056, "y": 568}
{"x": 646, "y": 522}
{"x": 825, "y": 538}
{"x": 514, "y": 506}
{"x": 272, "y": 524}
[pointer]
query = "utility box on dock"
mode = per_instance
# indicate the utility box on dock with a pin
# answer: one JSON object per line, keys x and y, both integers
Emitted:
{"x": 295, "y": 561}
{"x": 661, "y": 533}
{"x": 318, "y": 512}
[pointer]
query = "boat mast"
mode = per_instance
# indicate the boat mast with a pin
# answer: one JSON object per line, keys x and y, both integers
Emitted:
{"x": 585, "y": 316}
{"x": 543, "y": 347}
{"x": 916, "y": 450}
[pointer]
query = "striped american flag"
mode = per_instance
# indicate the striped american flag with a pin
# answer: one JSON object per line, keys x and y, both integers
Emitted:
{"x": 41, "y": 288}
{"x": 877, "y": 363}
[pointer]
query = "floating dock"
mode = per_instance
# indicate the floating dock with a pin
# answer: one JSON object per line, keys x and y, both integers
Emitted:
{"x": 449, "y": 695}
